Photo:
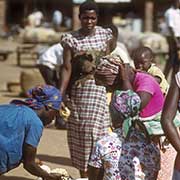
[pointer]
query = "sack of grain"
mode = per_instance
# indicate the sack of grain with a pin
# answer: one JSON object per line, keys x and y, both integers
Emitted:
{"x": 14, "y": 87}
{"x": 29, "y": 79}
{"x": 39, "y": 35}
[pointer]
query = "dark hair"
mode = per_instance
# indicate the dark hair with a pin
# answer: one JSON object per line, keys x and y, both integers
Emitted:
{"x": 113, "y": 28}
{"x": 78, "y": 64}
{"x": 82, "y": 57}
{"x": 143, "y": 50}
{"x": 88, "y": 5}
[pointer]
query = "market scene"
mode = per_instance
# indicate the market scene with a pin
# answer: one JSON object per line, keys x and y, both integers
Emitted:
{"x": 89, "y": 90}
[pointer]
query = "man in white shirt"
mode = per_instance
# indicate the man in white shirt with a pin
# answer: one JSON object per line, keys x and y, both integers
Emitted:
{"x": 49, "y": 64}
{"x": 172, "y": 17}
{"x": 57, "y": 19}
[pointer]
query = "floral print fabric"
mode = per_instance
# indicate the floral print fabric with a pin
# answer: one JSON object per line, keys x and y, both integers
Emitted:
{"x": 122, "y": 160}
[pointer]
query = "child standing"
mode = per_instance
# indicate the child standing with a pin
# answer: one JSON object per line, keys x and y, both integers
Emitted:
{"x": 143, "y": 60}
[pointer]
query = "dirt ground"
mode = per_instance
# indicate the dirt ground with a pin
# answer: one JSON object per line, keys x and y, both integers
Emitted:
{"x": 53, "y": 147}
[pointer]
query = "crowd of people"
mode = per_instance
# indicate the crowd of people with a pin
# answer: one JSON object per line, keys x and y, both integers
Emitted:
{"x": 123, "y": 138}
{"x": 37, "y": 19}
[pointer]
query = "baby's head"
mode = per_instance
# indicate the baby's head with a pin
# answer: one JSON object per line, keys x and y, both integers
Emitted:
{"x": 84, "y": 64}
{"x": 83, "y": 69}
{"x": 143, "y": 57}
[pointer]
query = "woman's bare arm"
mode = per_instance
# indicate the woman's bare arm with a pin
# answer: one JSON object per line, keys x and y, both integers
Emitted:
{"x": 66, "y": 70}
{"x": 168, "y": 114}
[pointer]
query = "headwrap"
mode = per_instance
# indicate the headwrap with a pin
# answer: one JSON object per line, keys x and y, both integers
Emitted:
{"x": 125, "y": 104}
{"x": 40, "y": 96}
{"x": 108, "y": 68}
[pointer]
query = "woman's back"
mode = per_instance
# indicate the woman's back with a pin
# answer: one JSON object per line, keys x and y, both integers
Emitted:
{"x": 145, "y": 82}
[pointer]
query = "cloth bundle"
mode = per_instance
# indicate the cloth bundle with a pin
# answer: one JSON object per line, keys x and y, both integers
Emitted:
{"x": 107, "y": 69}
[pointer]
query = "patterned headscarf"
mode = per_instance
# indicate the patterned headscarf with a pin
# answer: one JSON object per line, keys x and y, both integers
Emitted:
{"x": 40, "y": 96}
{"x": 108, "y": 68}
{"x": 125, "y": 104}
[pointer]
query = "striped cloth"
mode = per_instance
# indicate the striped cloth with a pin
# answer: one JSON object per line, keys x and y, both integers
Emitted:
{"x": 107, "y": 69}
{"x": 88, "y": 122}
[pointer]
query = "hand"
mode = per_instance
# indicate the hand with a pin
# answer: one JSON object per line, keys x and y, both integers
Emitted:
{"x": 123, "y": 71}
{"x": 63, "y": 106}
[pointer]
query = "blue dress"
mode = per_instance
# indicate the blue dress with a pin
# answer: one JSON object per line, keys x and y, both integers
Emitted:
{"x": 18, "y": 125}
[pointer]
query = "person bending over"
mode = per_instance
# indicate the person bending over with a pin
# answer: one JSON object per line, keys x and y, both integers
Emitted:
{"x": 21, "y": 127}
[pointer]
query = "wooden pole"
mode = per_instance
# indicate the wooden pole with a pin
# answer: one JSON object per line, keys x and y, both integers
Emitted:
{"x": 75, "y": 22}
{"x": 3, "y": 7}
{"x": 149, "y": 11}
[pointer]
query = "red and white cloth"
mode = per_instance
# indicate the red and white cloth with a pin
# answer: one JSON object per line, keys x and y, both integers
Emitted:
{"x": 96, "y": 42}
{"x": 88, "y": 122}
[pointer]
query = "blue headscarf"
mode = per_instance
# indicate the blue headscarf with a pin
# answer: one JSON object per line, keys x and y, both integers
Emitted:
{"x": 40, "y": 96}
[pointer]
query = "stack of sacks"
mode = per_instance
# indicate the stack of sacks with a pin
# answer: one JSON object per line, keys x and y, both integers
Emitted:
{"x": 132, "y": 40}
{"x": 29, "y": 79}
{"x": 155, "y": 41}
{"x": 39, "y": 35}
{"x": 129, "y": 38}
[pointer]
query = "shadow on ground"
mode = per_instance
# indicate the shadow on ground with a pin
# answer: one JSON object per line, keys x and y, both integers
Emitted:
{"x": 27, "y": 66}
{"x": 13, "y": 178}
{"x": 11, "y": 95}
{"x": 55, "y": 159}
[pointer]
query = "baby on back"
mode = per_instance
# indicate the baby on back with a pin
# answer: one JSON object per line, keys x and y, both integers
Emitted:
{"x": 143, "y": 60}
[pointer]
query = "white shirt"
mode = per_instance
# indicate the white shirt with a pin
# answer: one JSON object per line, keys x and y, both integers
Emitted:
{"x": 57, "y": 17}
{"x": 52, "y": 57}
{"x": 122, "y": 52}
{"x": 172, "y": 17}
